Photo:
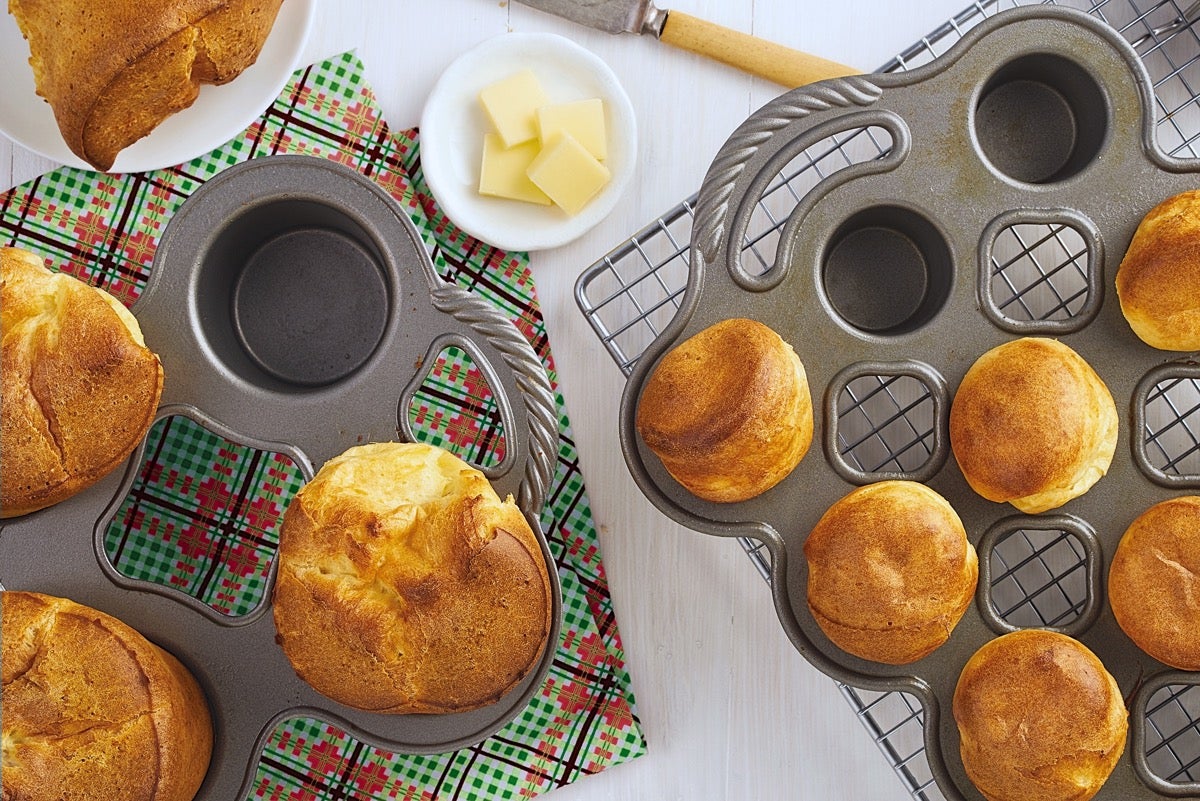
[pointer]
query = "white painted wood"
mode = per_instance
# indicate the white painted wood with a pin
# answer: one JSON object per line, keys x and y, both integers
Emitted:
{"x": 730, "y": 710}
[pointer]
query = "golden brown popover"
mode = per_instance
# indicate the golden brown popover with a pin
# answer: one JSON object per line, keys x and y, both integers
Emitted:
{"x": 1032, "y": 424}
{"x": 1039, "y": 717}
{"x": 93, "y": 711}
{"x": 1158, "y": 282}
{"x": 80, "y": 387}
{"x": 406, "y": 585}
{"x": 1154, "y": 582}
{"x": 113, "y": 70}
{"x": 890, "y": 571}
{"x": 728, "y": 411}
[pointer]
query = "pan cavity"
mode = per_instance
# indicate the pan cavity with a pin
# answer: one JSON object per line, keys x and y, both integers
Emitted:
{"x": 886, "y": 421}
{"x": 1165, "y": 743}
{"x": 220, "y": 536}
{"x": 1041, "y": 119}
{"x": 1166, "y": 409}
{"x": 292, "y": 294}
{"x": 887, "y": 271}
{"x": 1042, "y": 272}
{"x": 1040, "y": 572}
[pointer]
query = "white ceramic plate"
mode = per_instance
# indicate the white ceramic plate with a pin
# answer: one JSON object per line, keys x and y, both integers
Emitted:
{"x": 453, "y": 125}
{"x": 219, "y": 113}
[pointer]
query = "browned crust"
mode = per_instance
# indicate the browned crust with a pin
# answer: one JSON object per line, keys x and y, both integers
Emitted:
{"x": 396, "y": 604}
{"x": 728, "y": 411}
{"x": 79, "y": 392}
{"x": 94, "y": 711}
{"x": 1154, "y": 582}
{"x": 1032, "y": 424}
{"x": 1158, "y": 282}
{"x": 113, "y": 71}
{"x": 1040, "y": 719}
{"x": 890, "y": 572}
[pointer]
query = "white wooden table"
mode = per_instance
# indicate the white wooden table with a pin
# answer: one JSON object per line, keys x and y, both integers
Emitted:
{"x": 730, "y": 710}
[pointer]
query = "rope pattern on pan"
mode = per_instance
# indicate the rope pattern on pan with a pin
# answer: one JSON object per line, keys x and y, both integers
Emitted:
{"x": 713, "y": 205}
{"x": 536, "y": 393}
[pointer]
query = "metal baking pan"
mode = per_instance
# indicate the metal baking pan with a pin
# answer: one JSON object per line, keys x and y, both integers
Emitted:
{"x": 1037, "y": 116}
{"x": 244, "y": 269}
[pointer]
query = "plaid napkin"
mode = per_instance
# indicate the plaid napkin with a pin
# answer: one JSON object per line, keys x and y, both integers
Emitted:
{"x": 204, "y": 511}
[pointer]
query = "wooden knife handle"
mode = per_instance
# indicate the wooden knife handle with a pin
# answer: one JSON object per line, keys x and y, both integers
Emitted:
{"x": 777, "y": 63}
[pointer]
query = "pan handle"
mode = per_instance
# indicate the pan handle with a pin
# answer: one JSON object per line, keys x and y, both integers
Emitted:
{"x": 784, "y": 66}
{"x": 518, "y": 379}
{"x": 743, "y": 156}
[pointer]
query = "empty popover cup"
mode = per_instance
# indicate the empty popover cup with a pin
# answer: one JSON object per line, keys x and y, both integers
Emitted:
{"x": 887, "y": 271}
{"x": 292, "y": 291}
{"x": 1041, "y": 118}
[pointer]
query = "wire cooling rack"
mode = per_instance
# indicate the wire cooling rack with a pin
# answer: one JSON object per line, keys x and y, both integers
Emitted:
{"x": 1038, "y": 272}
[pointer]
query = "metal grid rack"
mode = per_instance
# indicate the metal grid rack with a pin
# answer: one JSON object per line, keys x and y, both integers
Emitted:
{"x": 1038, "y": 273}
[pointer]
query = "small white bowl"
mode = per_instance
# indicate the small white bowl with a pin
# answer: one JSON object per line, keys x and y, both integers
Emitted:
{"x": 453, "y": 125}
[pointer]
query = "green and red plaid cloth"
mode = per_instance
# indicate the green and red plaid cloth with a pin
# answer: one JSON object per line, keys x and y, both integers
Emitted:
{"x": 203, "y": 512}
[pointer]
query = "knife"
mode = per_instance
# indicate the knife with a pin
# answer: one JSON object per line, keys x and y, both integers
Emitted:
{"x": 777, "y": 63}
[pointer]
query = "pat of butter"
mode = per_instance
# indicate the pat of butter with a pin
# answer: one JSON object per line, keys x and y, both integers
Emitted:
{"x": 503, "y": 172}
{"x": 583, "y": 119}
{"x": 512, "y": 105}
{"x": 568, "y": 173}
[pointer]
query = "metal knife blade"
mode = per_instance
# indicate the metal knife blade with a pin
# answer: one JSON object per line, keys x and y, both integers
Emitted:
{"x": 610, "y": 16}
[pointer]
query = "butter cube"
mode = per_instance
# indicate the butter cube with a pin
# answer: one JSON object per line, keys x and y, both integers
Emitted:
{"x": 568, "y": 173}
{"x": 512, "y": 105}
{"x": 583, "y": 119}
{"x": 503, "y": 171}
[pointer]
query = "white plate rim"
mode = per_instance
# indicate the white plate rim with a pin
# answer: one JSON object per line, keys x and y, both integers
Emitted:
{"x": 219, "y": 114}
{"x": 512, "y": 225}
